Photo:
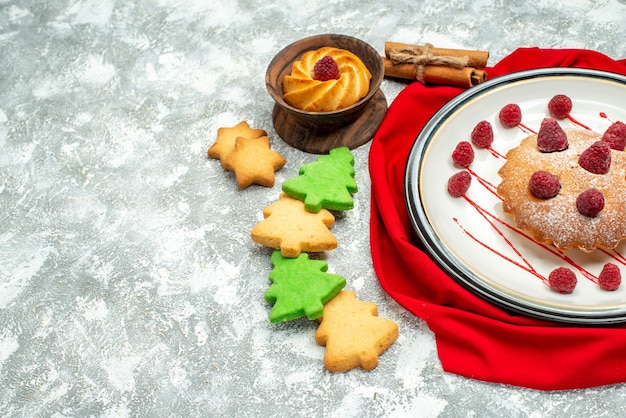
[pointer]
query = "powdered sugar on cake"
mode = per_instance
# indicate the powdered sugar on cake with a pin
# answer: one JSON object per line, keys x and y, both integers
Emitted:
{"x": 557, "y": 220}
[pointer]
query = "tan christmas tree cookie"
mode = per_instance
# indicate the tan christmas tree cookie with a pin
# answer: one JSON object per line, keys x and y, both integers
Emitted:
{"x": 225, "y": 143}
{"x": 253, "y": 162}
{"x": 292, "y": 229}
{"x": 353, "y": 333}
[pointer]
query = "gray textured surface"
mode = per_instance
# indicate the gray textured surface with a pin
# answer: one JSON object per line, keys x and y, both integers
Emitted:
{"x": 128, "y": 282}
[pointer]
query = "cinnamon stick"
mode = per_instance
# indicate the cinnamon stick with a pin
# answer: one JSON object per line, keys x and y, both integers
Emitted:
{"x": 436, "y": 74}
{"x": 476, "y": 59}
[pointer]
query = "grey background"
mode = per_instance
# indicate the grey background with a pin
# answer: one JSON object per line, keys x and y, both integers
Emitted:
{"x": 129, "y": 285}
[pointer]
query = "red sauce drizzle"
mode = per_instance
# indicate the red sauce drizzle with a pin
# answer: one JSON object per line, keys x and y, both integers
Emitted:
{"x": 499, "y": 224}
{"x": 487, "y": 184}
{"x": 529, "y": 267}
{"x": 495, "y": 153}
{"x": 526, "y": 129}
{"x": 615, "y": 256}
{"x": 575, "y": 122}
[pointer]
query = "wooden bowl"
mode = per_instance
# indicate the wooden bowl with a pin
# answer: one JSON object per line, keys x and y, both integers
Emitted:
{"x": 323, "y": 121}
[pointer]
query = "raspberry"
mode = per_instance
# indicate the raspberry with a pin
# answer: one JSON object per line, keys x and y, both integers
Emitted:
{"x": 562, "y": 280}
{"x": 560, "y": 106}
{"x": 615, "y": 135}
{"x": 510, "y": 115}
{"x": 610, "y": 277}
{"x": 459, "y": 183}
{"x": 544, "y": 185}
{"x": 590, "y": 202}
{"x": 326, "y": 69}
{"x": 482, "y": 134}
{"x": 551, "y": 136}
{"x": 463, "y": 154}
{"x": 597, "y": 158}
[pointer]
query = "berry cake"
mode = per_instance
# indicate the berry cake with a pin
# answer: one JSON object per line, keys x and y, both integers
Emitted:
{"x": 325, "y": 80}
{"x": 566, "y": 188}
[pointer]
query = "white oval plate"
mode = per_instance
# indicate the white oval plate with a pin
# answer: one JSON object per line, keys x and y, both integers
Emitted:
{"x": 470, "y": 243}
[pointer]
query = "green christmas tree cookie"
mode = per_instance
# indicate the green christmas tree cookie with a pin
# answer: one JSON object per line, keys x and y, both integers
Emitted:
{"x": 300, "y": 287}
{"x": 326, "y": 183}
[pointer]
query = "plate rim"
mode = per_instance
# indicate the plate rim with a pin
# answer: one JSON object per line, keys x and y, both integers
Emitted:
{"x": 436, "y": 248}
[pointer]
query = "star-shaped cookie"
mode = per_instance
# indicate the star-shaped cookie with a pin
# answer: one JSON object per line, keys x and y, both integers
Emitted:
{"x": 226, "y": 137}
{"x": 253, "y": 162}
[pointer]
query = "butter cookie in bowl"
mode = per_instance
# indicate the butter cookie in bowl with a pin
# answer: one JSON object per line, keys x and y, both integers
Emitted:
{"x": 326, "y": 90}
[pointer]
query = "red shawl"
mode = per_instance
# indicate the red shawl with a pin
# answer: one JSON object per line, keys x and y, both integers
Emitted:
{"x": 475, "y": 338}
